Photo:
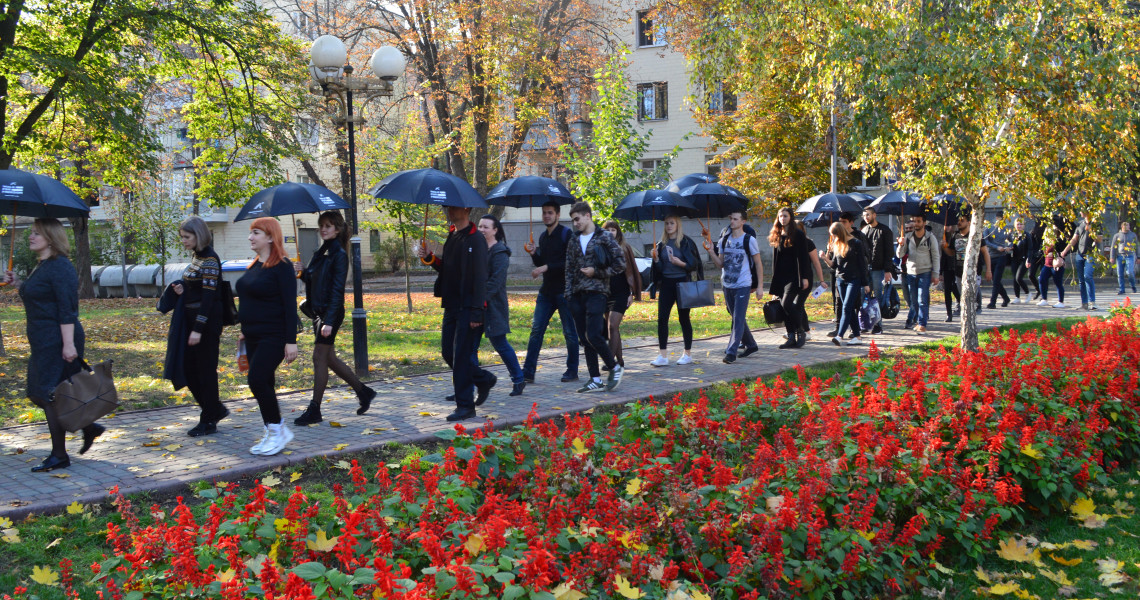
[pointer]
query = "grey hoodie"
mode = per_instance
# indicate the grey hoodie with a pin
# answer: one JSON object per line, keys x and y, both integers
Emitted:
{"x": 922, "y": 255}
{"x": 496, "y": 319}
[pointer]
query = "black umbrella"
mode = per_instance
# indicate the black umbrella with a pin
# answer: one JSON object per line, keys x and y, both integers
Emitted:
{"x": 946, "y": 208}
{"x": 529, "y": 191}
{"x": 899, "y": 203}
{"x": 653, "y": 205}
{"x": 38, "y": 196}
{"x": 289, "y": 199}
{"x": 830, "y": 202}
{"x": 861, "y": 198}
{"x": 815, "y": 220}
{"x": 714, "y": 200}
{"x": 430, "y": 187}
{"x": 688, "y": 180}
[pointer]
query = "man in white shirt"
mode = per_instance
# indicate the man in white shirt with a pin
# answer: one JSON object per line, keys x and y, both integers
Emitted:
{"x": 738, "y": 256}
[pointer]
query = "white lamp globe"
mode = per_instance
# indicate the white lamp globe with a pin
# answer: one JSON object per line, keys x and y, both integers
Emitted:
{"x": 387, "y": 63}
{"x": 328, "y": 53}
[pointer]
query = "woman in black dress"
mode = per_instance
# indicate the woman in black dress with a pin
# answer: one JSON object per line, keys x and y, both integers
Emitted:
{"x": 268, "y": 316}
{"x": 791, "y": 275}
{"x": 324, "y": 288}
{"x": 202, "y": 315}
{"x": 51, "y": 304}
{"x": 624, "y": 291}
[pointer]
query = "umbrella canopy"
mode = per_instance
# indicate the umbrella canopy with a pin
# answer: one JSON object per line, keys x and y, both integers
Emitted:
{"x": 899, "y": 203}
{"x": 529, "y": 191}
{"x": 816, "y": 220}
{"x": 945, "y": 208}
{"x": 290, "y": 199}
{"x": 653, "y": 205}
{"x": 430, "y": 187}
{"x": 689, "y": 180}
{"x": 863, "y": 199}
{"x": 830, "y": 202}
{"x": 32, "y": 195}
{"x": 713, "y": 200}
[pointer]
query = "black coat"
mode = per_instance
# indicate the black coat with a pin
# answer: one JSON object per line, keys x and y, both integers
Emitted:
{"x": 462, "y": 280}
{"x": 790, "y": 264}
{"x": 173, "y": 368}
{"x": 498, "y": 317}
{"x": 324, "y": 282}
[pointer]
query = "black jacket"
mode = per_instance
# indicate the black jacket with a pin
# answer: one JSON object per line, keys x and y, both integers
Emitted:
{"x": 853, "y": 267}
{"x": 790, "y": 264}
{"x": 462, "y": 280}
{"x": 882, "y": 243}
{"x": 324, "y": 279}
{"x": 689, "y": 253}
{"x": 552, "y": 253}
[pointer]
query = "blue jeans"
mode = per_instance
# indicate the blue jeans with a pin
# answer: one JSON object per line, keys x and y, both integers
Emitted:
{"x": 507, "y": 353}
{"x": 852, "y": 294}
{"x": 736, "y": 301}
{"x": 1125, "y": 269}
{"x": 1058, "y": 277}
{"x": 918, "y": 290}
{"x": 544, "y": 307}
{"x": 877, "y": 286}
{"x": 1084, "y": 269}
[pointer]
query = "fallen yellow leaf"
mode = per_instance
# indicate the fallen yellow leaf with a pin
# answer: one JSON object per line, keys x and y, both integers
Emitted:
{"x": 699, "y": 595}
{"x": 1018, "y": 551}
{"x": 1083, "y": 508}
{"x": 633, "y": 488}
{"x": 1003, "y": 589}
{"x": 295, "y": 476}
{"x": 622, "y": 586}
{"x": 75, "y": 508}
{"x": 565, "y": 592}
{"x": 270, "y": 481}
{"x": 340, "y": 446}
{"x": 474, "y": 544}
{"x": 1059, "y": 577}
{"x": 226, "y": 576}
{"x": 44, "y": 575}
{"x": 323, "y": 543}
{"x": 1068, "y": 562}
{"x": 335, "y": 424}
{"x": 172, "y": 447}
{"x": 579, "y": 447}
{"x": 1085, "y": 545}
{"x": 10, "y": 535}
{"x": 1030, "y": 451}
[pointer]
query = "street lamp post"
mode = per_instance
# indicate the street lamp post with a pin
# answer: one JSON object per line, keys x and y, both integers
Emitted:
{"x": 332, "y": 78}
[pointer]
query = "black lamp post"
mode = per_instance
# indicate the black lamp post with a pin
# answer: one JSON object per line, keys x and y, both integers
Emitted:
{"x": 332, "y": 78}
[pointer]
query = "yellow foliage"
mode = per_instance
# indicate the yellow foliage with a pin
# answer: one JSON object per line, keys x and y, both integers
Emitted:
{"x": 323, "y": 543}
{"x": 474, "y": 544}
{"x": 294, "y": 477}
{"x": 1018, "y": 551}
{"x": 1068, "y": 562}
{"x": 44, "y": 575}
{"x": 566, "y": 592}
{"x": 578, "y": 447}
{"x": 633, "y": 488}
{"x": 1083, "y": 508}
{"x": 1030, "y": 451}
{"x": 622, "y": 586}
{"x": 75, "y": 508}
{"x": 1003, "y": 589}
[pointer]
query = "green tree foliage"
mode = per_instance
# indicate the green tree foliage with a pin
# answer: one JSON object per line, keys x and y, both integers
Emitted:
{"x": 604, "y": 169}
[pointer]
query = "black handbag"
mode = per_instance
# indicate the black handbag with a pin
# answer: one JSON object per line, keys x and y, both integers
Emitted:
{"x": 774, "y": 312}
{"x": 307, "y": 309}
{"x": 85, "y": 397}
{"x": 229, "y": 308}
{"x": 890, "y": 303}
{"x": 695, "y": 294}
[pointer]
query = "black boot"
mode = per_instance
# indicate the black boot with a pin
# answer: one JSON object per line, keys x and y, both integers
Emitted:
{"x": 365, "y": 396}
{"x": 801, "y": 339}
{"x": 311, "y": 415}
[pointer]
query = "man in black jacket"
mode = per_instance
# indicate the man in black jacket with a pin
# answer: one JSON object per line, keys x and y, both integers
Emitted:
{"x": 461, "y": 286}
{"x": 880, "y": 239}
{"x": 549, "y": 260}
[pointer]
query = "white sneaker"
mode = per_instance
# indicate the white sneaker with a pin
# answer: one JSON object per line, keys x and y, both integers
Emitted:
{"x": 660, "y": 361}
{"x": 685, "y": 359}
{"x": 1060, "y": 305}
{"x": 854, "y": 341}
{"x": 1043, "y": 303}
{"x": 1092, "y": 307}
{"x": 279, "y": 435}
{"x": 259, "y": 447}
{"x": 807, "y": 336}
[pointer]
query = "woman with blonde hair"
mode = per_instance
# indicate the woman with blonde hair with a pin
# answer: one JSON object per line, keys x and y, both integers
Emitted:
{"x": 675, "y": 257}
{"x": 852, "y": 279}
{"x": 624, "y": 291}
{"x": 268, "y": 316}
{"x": 55, "y": 335}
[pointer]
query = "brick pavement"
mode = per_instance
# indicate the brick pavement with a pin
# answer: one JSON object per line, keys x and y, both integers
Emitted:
{"x": 148, "y": 450}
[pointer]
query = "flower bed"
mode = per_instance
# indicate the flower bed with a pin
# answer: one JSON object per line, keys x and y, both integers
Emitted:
{"x": 808, "y": 488}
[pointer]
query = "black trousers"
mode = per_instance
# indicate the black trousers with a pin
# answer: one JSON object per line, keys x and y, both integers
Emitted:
{"x": 999, "y": 263}
{"x": 589, "y": 311}
{"x": 200, "y": 364}
{"x": 666, "y": 298}
{"x": 1019, "y": 285}
{"x": 1034, "y": 274}
{"x": 265, "y": 355}
{"x": 792, "y": 301}
{"x": 458, "y": 345}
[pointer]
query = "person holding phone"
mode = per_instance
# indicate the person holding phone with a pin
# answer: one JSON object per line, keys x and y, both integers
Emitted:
{"x": 55, "y": 336}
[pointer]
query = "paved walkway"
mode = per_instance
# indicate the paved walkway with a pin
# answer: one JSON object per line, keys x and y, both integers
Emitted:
{"x": 148, "y": 450}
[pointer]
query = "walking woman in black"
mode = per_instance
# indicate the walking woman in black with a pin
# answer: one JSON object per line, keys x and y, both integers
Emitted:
{"x": 268, "y": 316}
{"x": 624, "y": 291}
{"x": 1022, "y": 252}
{"x": 852, "y": 279}
{"x": 791, "y": 274}
{"x": 324, "y": 289}
{"x": 202, "y": 316}
{"x": 55, "y": 336}
{"x": 675, "y": 257}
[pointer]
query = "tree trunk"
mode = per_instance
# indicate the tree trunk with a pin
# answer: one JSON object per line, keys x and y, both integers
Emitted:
{"x": 82, "y": 256}
{"x": 407, "y": 265}
{"x": 970, "y": 286}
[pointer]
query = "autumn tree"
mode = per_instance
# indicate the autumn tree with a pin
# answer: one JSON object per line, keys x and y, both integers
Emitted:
{"x": 986, "y": 100}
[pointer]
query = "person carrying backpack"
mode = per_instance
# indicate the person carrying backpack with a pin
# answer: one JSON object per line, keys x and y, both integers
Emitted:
{"x": 738, "y": 256}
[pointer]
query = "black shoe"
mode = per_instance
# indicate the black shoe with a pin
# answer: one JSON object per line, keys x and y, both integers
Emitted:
{"x": 517, "y": 389}
{"x": 311, "y": 416}
{"x": 89, "y": 438}
{"x": 199, "y": 430}
{"x": 1036, "y": 296}
{"x": 801, "y": 339}
{"x": 749, "y": 352}
{"x": 460, "y": 415}
{"x": 1120, "y": 293}
{"x": 1005, "y": 303}
{"x": 528, "y": 379}
{"x": 832, "y": 333}
{"x": 731, "y": 358}
{"x": 991, "y": 306}
{"x": 853, "y": 335}
{"x": 569, "y": 378}
{"x": 51, "y": 463}
{"x": 482, "y": 391}
{"x": 450, "y": 399}
{"x": 225, "y": 413}
{"x": 878, "y": 328}
{"x": 364, "y": 397}
{"x": 791, "y": 343}
{"x": 949, "y": 319}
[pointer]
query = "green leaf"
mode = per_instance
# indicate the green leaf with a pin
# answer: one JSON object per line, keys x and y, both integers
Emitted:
{"x": 309, "y": 571}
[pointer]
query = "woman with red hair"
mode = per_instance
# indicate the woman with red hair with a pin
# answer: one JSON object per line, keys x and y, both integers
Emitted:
{"x": 268, "y": 316}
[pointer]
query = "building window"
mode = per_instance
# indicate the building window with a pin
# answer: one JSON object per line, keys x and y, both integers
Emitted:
{"x": 556, "y": 172}
{"x": 648, "y": 33}
{"x": 722, "y": 101}
{"x": 716, "y": 169}
{"x": 303, "y": 179}
{"x": 308, "y": 131}
{"x": 301, "y": 24}
{"x": 182, "y": 133}
{"x": 652, "y": 101}
{"x": 650, "y": 164}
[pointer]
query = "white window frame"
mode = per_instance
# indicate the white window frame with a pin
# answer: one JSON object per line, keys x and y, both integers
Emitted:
{"x": 646, "y": 29}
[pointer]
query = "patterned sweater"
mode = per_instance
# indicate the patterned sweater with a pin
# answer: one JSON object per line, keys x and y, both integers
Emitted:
{"x": 200, "y": 288}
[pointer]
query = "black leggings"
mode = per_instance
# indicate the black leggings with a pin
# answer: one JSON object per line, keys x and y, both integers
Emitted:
{"x": 666, "y": 298}
{"x": 793, "y": 304}
{"x": 1019, "y": 273}
{"x": 951, "y": 292}
{"x": 200, "y": 364}
{"x": 265, "y": 355}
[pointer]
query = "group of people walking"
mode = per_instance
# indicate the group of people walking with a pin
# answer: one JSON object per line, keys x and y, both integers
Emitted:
{"x": 589, "y": 277}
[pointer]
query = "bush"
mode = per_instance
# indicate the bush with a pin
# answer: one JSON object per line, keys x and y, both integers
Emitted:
{"x": 390, "y": 256}
{"x": 813, "y": 488}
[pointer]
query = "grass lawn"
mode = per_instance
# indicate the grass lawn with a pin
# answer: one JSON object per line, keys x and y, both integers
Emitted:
{"x": 133, "y": 334}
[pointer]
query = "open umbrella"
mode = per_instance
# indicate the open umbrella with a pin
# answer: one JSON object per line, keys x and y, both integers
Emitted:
{"x": 39, "y": 196}
{"x": 946, "y": 208}
{"x": 815, "y": 220}
{"x": 653, "y": 205}
{"x": 899, "y": 203}
{"x": 529, "y": 191}
{"x": 290, "y": 199}
{"x": 691, "y": 179}
{"x": 830, "y": 203}
{"x": 430, "y": 187}
{"x": 714, "y": 200}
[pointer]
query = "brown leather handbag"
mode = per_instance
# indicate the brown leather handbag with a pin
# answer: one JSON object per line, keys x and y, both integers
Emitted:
{"x": 85, "y": 397}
